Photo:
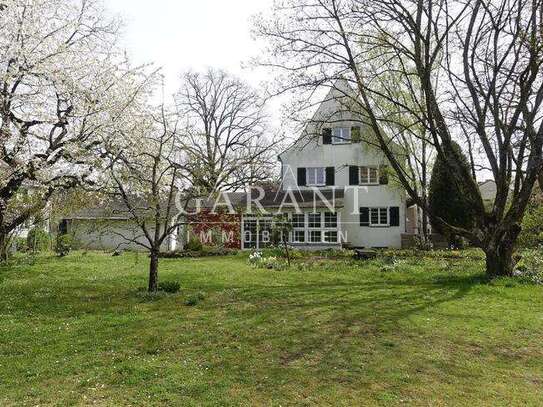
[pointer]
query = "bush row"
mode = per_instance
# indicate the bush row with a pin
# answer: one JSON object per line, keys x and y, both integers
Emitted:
{"x": 38, "y": 240}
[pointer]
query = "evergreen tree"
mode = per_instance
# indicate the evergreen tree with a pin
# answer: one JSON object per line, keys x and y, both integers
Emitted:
{"x": 448, "y": 198}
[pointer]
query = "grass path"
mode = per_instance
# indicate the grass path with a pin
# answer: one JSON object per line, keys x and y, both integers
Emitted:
{"x": 77, "y": 331}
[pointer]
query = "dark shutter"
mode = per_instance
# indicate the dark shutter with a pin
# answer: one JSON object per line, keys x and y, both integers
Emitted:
{"x": 355, "y": 134}
{"x": 302, "y": 181}
{"x": 364, "y": 216}
{"x": 330, "y": 176}
{"x": 394, "y": 216}
{"x": 383, "y": 174}
{"x": 353, "y": 175}
{"x": 326, "y": 136}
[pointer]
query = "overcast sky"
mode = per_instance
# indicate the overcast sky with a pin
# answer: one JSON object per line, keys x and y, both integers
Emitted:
{"x": 183, "y": 34}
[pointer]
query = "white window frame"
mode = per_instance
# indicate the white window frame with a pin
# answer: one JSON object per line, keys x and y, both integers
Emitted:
{"x": 303, "y": 220}
{"x": 379, "y": 216}
{"x": 324, "y": 220}
{"x": 294, "y": 240}
{"x": 344, "y": 136}
{"x": 247, "y": 238}
{"x": 365, "y": 175}
{"x": 325, "y": 231}
{"x": 302, "y": 229}
{"x": 315, "y": 172}
{"x": 308, "y": 221}
{"x": 322, "y": 229}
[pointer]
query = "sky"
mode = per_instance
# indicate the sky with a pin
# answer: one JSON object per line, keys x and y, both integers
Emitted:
{"x": 178, "y": 35}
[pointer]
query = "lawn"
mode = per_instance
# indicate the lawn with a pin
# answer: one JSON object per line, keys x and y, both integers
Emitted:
{"x": 78, "y": 330}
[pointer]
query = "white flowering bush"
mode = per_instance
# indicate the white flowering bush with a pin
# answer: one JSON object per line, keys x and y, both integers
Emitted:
{"x": 257, "y": 260}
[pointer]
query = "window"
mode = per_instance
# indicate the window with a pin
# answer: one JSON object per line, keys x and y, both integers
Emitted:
{"x": 378, "y": 216}
{"x": 330, "y": 237}
{"x": 341, "y": 135}
{"x": 298, "y": 220}
{"x": 315, "y": 228}
{"x": 250, "y": 237}
{"x": 315, "y": 236}
{"x": 369, "y": 175}
{"x": 298, "y": 236}
{"x": 314, "y": 220}
{"x": 316, "y": 176}
{"x": 330, "y": 220}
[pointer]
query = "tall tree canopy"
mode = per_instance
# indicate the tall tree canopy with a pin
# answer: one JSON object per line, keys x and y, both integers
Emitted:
{"x": 465, "y": 70}
{"x": 226, "y": 141}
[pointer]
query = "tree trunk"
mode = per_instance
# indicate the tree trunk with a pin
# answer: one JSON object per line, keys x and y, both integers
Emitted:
{"x": 425, "y": 234}
{"x": 4, "y": 247}
{"x": 153, "y": 272}
{"x": 499, "y": 258}
{"x": 285, "y": 243}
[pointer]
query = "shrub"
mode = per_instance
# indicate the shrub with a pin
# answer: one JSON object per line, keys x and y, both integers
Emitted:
{"x": 217, "y": 251}
{"x": 38, "y": 240}
{"x": 272, "y": 263}
{"x": 532, "y": 226}
{"x": 171, "y": 287}
{"x": 335, "y": 253}
{"x": 63, "y": 245}
{"x": 423, "y": 244}
{"x": 194, "y": 245}
{"x": 21, "y": 244}
{"x": 257, "y": 260}
{"x": 279, "y": 251}
{"x": 530, "y": 267}
{"x": 194, "y": 299}
{"x": 206, "y": 251}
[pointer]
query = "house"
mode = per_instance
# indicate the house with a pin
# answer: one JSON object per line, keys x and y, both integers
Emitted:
{"x": 108, "y": 226}
{"x": 343, "y": 184}
{"x": 488, "y": 191}
{"x": 335, "y": 190}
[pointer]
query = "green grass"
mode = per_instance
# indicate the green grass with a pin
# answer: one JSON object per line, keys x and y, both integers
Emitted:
{"x": 77, "y": 331}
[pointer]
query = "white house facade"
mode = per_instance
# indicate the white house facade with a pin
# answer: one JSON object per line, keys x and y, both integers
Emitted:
{"x": 331, "y": 159}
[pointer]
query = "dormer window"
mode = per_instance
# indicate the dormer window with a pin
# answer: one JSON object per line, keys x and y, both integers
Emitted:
{"x": 341, "y": 135}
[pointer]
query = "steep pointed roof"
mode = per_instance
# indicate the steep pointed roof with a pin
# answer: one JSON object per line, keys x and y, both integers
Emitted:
{"x": 328, "y": 110}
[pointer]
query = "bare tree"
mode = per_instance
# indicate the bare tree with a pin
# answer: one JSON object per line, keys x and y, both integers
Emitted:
{"x": 146, "y": 176}
{"x": 64, "y": 87}
{"x": 419, "y": 156}
{"x": 226, "y": 142}
{"x": 469, "y": 70}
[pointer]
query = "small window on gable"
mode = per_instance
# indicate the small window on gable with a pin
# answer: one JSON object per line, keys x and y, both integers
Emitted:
{"x": 369, "y": 175}
{"x": 316, "y": 176}
{"x": 341, "y": 135}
